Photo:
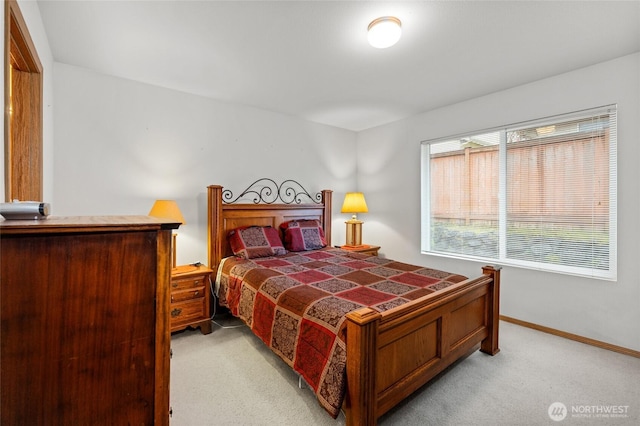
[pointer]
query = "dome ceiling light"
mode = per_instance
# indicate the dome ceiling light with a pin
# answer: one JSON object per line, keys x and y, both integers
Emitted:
{"x": 384, "y": 31}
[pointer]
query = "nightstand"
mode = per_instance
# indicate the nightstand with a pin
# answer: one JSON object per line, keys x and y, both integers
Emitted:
{"x": 365, "y": 249}
{"x": 190, "y": 298}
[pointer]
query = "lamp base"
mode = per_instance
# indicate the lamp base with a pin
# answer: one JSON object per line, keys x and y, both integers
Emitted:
{"x": 173, "y": 250}
{"x": 354, "y": 232}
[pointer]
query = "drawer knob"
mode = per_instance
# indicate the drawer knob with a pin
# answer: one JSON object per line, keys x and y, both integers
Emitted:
{"x": 176, "y": 312}
{"x": 196, "y": 293}
{"x": 197, "y": 282}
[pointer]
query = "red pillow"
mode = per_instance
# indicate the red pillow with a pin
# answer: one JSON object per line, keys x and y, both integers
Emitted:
{"x": 303, "y": 235}
{"x": 256, "y": 241}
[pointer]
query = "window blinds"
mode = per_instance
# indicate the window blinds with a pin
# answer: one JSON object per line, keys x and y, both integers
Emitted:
{"x": 560, "y": 193}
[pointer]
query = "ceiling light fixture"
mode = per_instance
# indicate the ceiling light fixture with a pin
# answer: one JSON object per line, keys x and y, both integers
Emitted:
{"x": 384, "y": 31}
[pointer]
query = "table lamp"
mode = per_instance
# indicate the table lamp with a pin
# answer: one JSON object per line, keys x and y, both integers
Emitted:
{"x": 354, "y": 203}
{"x": 168, "y": 209}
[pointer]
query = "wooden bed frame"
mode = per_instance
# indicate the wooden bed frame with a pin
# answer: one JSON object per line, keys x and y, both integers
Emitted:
{"x": 391, "y": 354}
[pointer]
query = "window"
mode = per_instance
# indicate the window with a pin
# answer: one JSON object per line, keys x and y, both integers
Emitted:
{"x": 539, "y": 195}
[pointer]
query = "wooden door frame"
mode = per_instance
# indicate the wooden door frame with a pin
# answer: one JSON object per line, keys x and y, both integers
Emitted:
{"x": 21, "y": 55}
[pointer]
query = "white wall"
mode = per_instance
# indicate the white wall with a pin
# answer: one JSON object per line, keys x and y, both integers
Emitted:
{"x": 121, "y": 144}
{"x": 389, "y": 175}
{"x": 31, "y": 14}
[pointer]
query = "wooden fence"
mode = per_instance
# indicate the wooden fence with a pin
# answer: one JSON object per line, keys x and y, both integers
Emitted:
{"x": 565, "y": 179}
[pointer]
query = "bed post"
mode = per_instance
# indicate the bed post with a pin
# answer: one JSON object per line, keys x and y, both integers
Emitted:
{"x": 214, "y": 225}
{"x": 326, "y": 215}
{"x": 490, "y": 344}
{"x": 362, "y": 330}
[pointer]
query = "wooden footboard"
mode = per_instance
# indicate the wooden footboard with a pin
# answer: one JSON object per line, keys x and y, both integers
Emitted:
{"x": 392, "y": 354}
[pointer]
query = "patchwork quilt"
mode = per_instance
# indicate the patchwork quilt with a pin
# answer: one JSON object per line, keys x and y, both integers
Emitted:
{"x": 296, "y": 303}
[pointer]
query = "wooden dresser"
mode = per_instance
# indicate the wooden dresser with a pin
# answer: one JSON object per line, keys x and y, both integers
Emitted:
{"x": 85, "y": 321}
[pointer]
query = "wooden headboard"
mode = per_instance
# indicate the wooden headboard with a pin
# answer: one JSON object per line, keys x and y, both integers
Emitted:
{"x": 222, "y": 217}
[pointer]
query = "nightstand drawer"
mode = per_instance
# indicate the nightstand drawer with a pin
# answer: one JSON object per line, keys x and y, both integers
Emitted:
{"x": 186, "y": 312}
{"x": 192, "y": 293}
{"x": 188, "y": 282}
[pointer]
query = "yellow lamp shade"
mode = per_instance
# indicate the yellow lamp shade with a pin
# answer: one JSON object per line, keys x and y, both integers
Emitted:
{"x": 167, "y": 209}
{"x": 354, "y": 203}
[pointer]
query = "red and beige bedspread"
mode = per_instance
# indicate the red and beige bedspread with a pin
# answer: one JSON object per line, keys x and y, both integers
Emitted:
{"x": 296, "y": 303}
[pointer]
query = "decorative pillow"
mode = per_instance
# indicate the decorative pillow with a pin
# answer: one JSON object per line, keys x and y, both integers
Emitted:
{"x": 302, "y": 235}
{"x": 251, "y": 242}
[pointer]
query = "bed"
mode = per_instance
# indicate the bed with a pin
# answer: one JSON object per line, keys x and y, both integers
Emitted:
{"x": 382, "y": 349}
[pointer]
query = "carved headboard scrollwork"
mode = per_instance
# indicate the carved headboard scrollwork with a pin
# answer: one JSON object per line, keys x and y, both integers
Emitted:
{"x": 267, "y": 191}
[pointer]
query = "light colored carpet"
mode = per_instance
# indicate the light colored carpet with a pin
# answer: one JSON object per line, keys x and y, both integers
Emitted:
{"x": 229, "y": 377}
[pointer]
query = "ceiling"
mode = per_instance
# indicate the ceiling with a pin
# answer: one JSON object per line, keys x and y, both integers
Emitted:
{"x": 311, "y": 59}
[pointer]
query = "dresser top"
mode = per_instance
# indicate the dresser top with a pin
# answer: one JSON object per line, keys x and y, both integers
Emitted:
{"x": 58, "y": 224}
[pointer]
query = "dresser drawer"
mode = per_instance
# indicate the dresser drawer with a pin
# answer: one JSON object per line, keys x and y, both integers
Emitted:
{"x": 187, "y": 312}
{"x": 189, "y": 282}
{"x": 190, "y": 294}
